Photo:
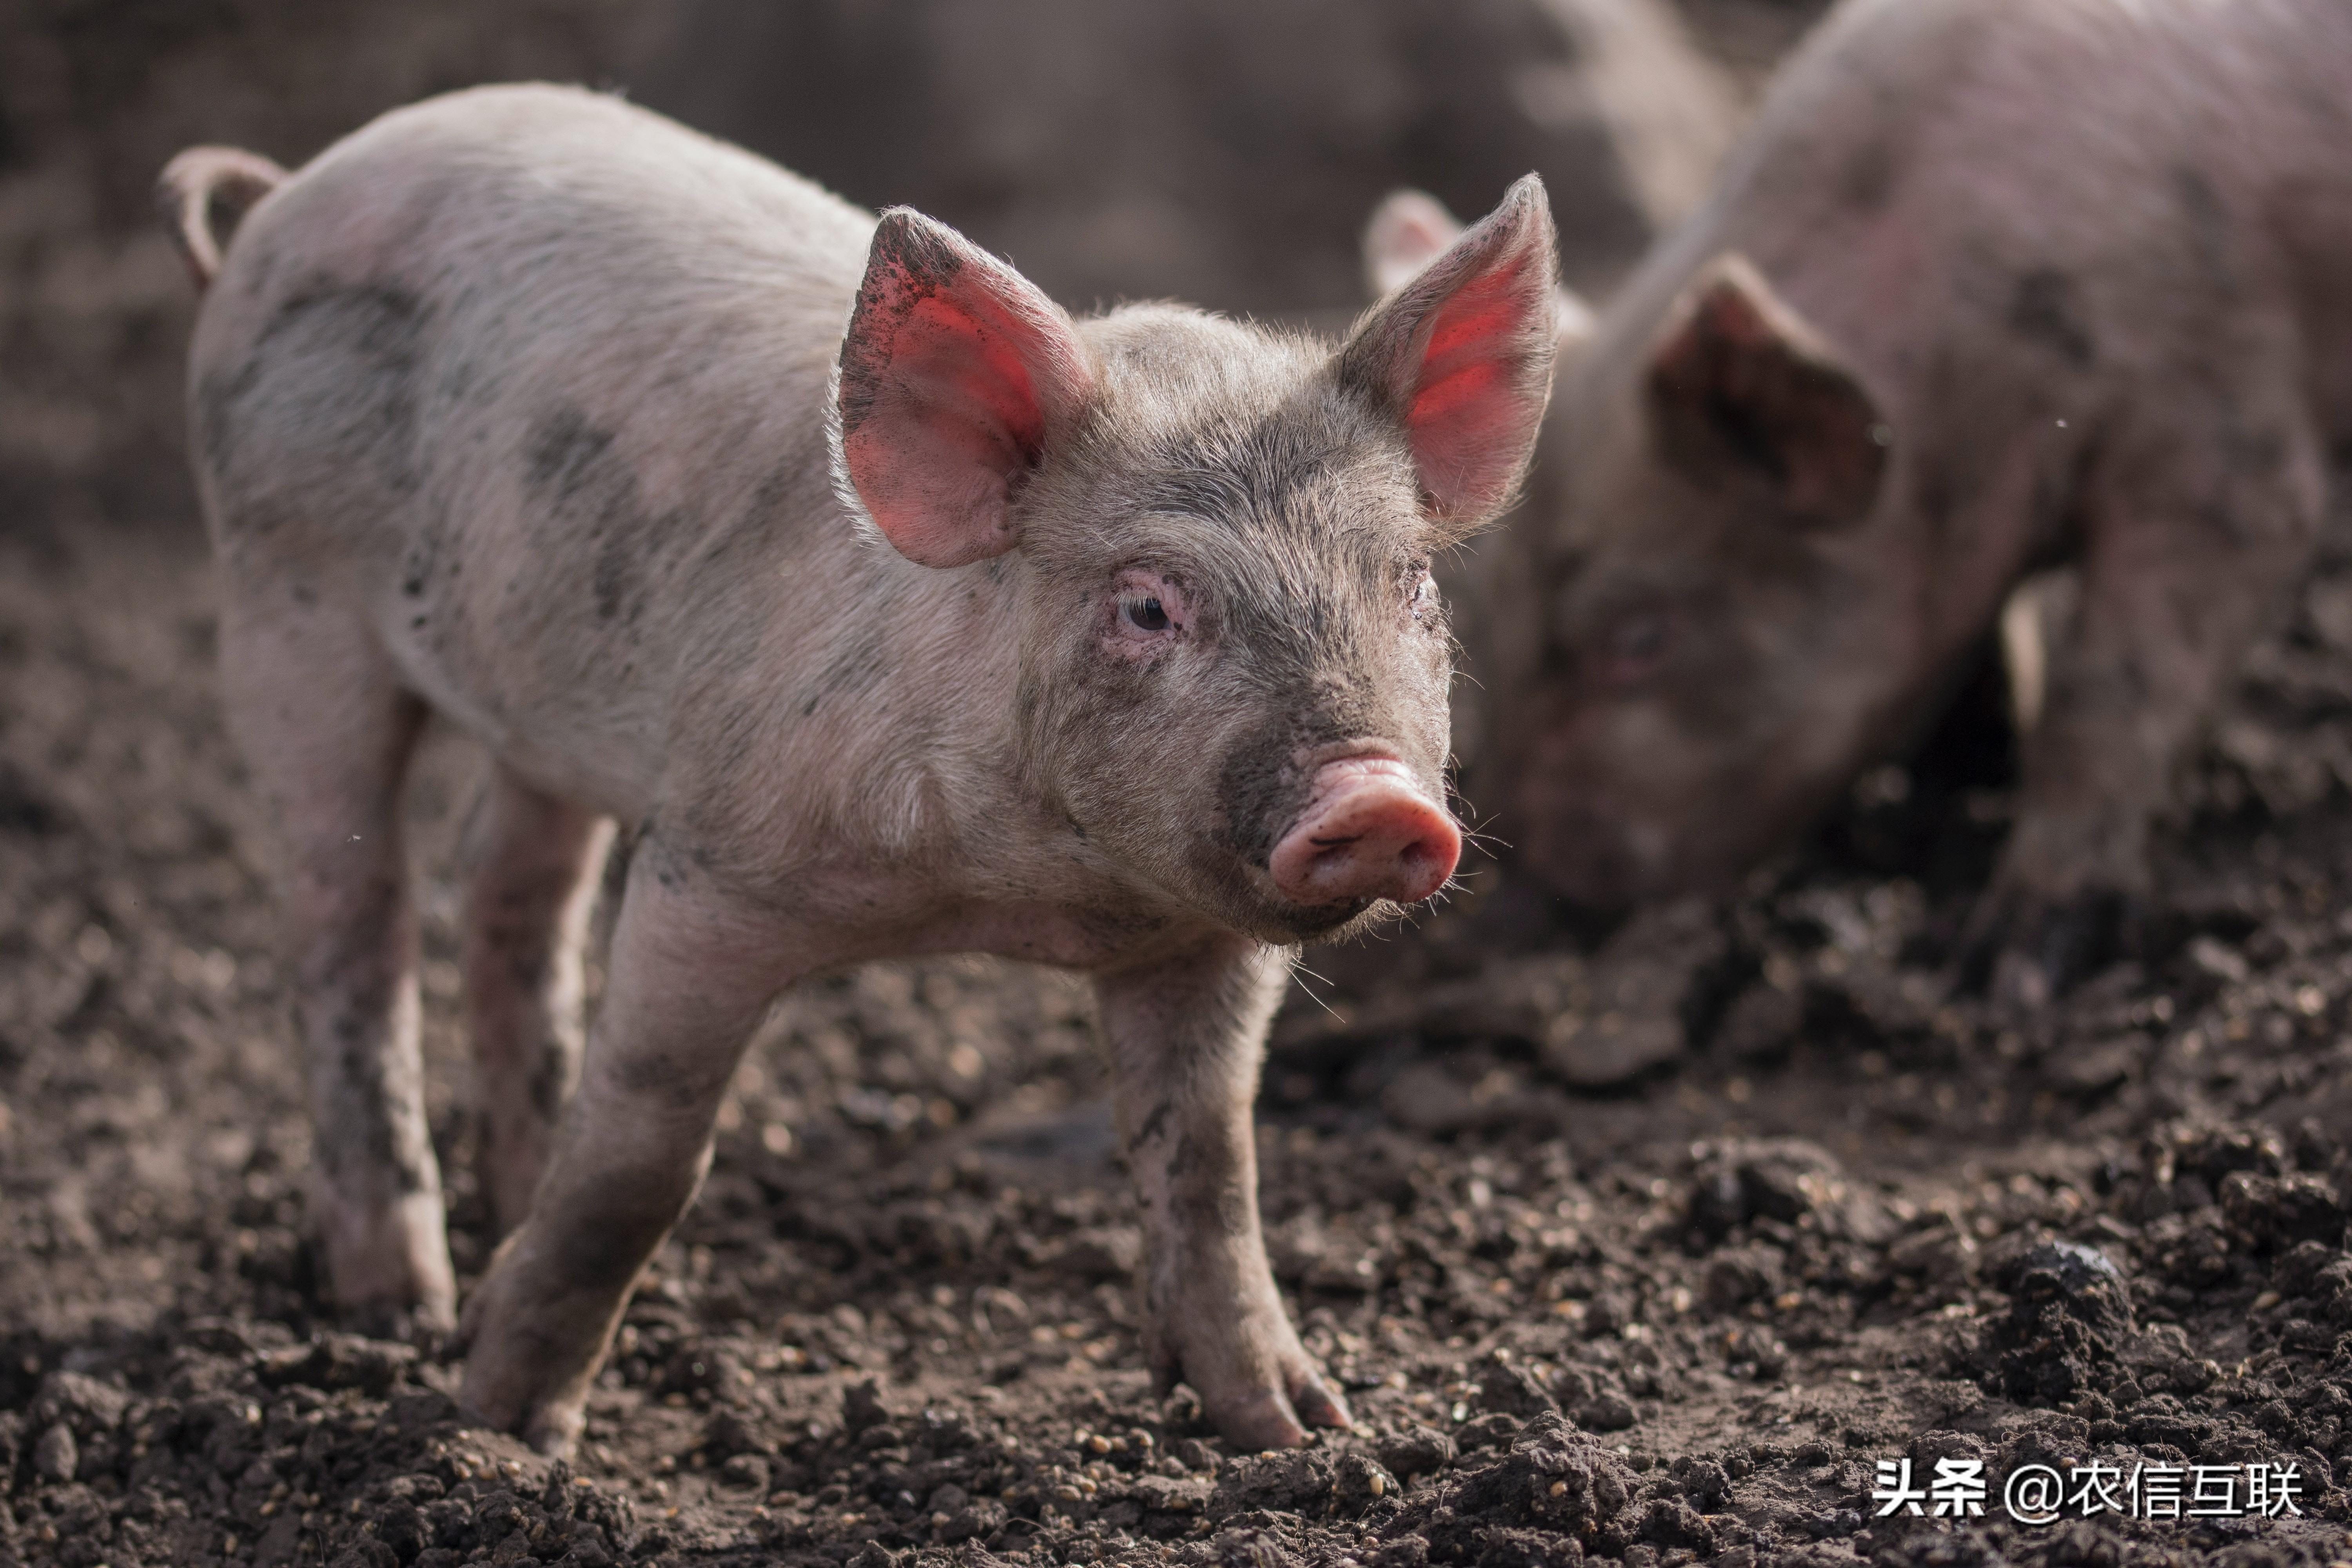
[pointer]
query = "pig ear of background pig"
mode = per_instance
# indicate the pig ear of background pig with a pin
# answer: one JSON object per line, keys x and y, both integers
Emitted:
{"x": 1743, "y": 392}
{"x": 1409, "y": 229}
{"x": 1462, "y": 356}
{"x": 955, "y": 375}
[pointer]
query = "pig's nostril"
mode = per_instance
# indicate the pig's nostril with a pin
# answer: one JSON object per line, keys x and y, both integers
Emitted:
{"x": 1367, "y": 834}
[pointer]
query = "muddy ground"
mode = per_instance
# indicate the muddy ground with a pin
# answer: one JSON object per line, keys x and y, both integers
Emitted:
{"x": 1645, "y": 1243}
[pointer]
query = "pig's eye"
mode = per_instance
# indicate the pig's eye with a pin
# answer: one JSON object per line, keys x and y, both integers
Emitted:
{"x": 1148, "y": 614}
{"x": 1634, "y": 645}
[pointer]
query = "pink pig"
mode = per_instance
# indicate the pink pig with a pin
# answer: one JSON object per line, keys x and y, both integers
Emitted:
{"x": 901, "y": 612}
{"x": 1992, "y": 286}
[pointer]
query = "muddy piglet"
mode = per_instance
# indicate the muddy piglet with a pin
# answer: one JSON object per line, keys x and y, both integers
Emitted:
{"x": 1993, "y": 286}
{"x": 899, "y": 613}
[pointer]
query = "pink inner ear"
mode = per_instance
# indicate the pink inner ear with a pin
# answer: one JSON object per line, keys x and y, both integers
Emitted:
{"x": 941, "y": 407}
{"x": 1471, "y": 409}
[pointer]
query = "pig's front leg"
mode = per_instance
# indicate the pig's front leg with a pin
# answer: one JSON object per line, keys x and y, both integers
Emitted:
{"x": 1186, "y": 1038}
{"x": 692, "y": 973}
{"x": 2194, "y": 531}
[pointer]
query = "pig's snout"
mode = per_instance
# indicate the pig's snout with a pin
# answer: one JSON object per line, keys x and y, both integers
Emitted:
{"x": 1368, "y": 832}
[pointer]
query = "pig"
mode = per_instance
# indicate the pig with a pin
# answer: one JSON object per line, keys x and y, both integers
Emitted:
{"x": 898, "y": 613}
{"x": 1992, "y": 287}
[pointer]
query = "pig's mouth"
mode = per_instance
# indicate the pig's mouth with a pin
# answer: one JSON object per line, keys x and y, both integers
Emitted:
{"x": 1367, "y": 834}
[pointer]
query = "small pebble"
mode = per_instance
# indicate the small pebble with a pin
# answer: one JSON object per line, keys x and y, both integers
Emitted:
{"x": 55, "y": 1457}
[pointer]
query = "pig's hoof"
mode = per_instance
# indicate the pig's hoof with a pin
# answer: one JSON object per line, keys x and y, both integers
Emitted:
{"x": 553, "y": 1431}
{"x": 2025, "y": 952}
{"x": 389, "y": 1266}
{"x": 1279, "y": 1419}
{"x": 428, "y": 1327}
{"x": 490, "y": 1400}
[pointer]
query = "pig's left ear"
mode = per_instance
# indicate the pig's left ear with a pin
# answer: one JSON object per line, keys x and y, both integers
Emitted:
{"x": 1741, "y": 390}
{"x": 956, "y": 373}
{"x": 1409, "y": 229}
{"x": 1461, "y": 355}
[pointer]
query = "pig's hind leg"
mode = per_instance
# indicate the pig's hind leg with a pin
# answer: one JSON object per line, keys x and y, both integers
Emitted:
{"x": 327, "y": 730}
{"x": 2196, "y": 521}
{"x": 526, "y": 916}
{"x": 1186, "y": 1038}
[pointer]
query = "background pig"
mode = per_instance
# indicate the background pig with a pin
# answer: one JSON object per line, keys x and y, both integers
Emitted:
{"x": 1110, "y": 644}
{"x": 1992, "y": 285}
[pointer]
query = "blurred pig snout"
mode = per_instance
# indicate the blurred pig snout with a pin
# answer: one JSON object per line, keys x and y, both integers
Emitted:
{"x": 1368, "y": 832}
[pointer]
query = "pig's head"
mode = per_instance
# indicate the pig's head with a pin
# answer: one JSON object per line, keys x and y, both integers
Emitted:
{"x": 1722, "y": 648}
{"x": 1719, "y": 643}
{"x": 1234, "y": 665}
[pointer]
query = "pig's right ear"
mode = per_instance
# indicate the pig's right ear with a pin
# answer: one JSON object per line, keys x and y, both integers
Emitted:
{"x": 956, "y": 373}
{"x": 1742, "y": 391}
{"x": 1461, "y": 355}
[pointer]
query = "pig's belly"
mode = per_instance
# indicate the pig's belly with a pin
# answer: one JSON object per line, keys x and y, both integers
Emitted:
{"x": 572, "y": 706}
{"x": 857, "y": 914}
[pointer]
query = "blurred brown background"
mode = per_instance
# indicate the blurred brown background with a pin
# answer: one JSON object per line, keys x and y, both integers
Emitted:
{"x": 1224, "y": 151}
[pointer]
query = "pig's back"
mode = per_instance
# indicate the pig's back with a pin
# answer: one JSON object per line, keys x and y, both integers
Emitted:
{"x": 2092, "y": 191}
{"x": 531, "y": 380}
{"x": 2096, "y": 131}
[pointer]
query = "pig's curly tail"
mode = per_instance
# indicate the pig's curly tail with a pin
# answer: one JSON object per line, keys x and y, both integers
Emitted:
{"x": 188, "y": 186}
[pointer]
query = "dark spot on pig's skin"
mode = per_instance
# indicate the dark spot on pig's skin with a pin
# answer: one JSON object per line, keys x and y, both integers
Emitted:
{"x": 2047, "y": 309}
{"x": 564, "y": 453}
{"x": 350, "y": 1037}
{"x": 363, "y": 1136}
{"x": 334, "y": 371}
{"x": 417, "y": 570}
{"x": 217, "y": 397}
{"x": 657, "y": 857}
{"x": 570, "y": 463}
{"x": 856, "y": 665}
{"x": 1181, "y": 1158}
